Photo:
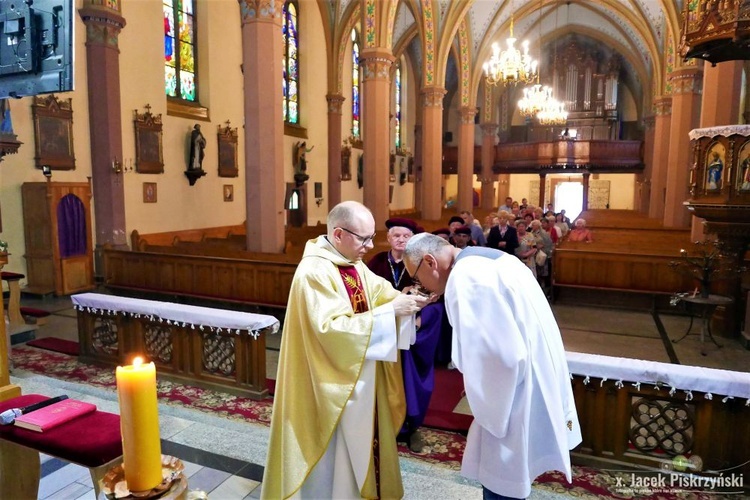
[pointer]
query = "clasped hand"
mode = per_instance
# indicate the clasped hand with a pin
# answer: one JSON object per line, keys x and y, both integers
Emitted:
{"x": 407, "y": 304}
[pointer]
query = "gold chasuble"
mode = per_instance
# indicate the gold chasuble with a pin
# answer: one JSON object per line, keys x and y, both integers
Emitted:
{"x": 327, "y": 331}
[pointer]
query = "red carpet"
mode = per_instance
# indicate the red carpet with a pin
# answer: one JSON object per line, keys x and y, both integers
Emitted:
{"x": 57, "y": 345}
{"x": 441, "y": 447}
{"x": 449, "y": 389}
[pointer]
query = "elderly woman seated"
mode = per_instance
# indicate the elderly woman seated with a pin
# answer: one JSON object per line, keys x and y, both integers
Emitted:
{"x": 580, "y": 233}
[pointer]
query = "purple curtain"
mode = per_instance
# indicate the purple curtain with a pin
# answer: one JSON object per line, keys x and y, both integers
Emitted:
{"x": 71, "y": 226}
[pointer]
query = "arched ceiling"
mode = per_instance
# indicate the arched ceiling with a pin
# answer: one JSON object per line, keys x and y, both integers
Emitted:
{"x": 638, "y": 29}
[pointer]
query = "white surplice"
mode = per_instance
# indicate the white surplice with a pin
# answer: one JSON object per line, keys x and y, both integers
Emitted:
{"x": 342, "y": 470}
{"x": 508, "y": 347}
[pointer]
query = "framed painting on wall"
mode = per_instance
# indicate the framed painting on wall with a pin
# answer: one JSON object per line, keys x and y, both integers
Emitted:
{"x": 149, "y": 192}
{"x": 148, "y": 146}
{"x": 227, "y": 139}
{"x": 53, "y": 133}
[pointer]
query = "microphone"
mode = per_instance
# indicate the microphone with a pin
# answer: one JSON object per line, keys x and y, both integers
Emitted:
{"x": 9, "y": 416}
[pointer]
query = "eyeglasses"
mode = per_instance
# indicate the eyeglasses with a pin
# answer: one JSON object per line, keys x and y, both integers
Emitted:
{"x": 364, "y": 240}
{"x": 414, "y": 276}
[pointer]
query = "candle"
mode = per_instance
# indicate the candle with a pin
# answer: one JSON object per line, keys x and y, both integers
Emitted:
{"x": 139, "y": 425}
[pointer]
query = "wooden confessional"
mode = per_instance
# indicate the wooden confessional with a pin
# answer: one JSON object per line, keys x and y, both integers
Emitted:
{"x": 57, "y": 229}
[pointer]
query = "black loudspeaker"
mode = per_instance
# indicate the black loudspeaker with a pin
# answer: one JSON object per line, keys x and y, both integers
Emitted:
{"x": 448, "y": 137}
{"x": 318, "y": 189}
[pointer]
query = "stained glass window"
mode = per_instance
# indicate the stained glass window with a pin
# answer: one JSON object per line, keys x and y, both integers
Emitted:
{"x": 397, "y": 126}
{"x": 290, "y": 64}
{"x": 355, "y": 86}
{"x": 180, "y": 67}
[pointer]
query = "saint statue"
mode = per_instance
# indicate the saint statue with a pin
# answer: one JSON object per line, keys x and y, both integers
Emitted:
{"x": 197, "y": 146}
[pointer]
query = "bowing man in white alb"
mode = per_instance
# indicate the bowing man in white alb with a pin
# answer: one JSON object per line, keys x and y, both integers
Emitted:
{"x": 508, "y": 347}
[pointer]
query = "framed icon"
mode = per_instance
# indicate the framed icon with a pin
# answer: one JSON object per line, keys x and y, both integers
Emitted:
{"x": 149, "y": 192}
{"x": 53, "y": 131}
{"x": 148, "y": 145}
{"x": 228, "y": 192}
{"x": 227, "y": 140}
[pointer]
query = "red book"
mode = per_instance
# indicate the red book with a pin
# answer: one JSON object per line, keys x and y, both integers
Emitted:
{"x": 55, "y": 414}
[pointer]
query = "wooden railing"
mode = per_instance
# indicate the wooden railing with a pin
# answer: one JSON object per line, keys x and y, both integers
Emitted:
{"x": 609, "y": 412}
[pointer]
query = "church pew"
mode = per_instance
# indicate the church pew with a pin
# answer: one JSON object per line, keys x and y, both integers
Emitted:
{"x": 141, "y": 242}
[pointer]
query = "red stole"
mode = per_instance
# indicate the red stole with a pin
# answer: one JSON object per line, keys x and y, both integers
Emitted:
{"x": 354, "y": 289}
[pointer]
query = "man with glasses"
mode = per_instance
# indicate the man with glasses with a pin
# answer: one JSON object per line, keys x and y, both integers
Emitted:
{"x": 339, "y": 399}
{"x": 418, "y": 362}
{"x": 508, "y": 347}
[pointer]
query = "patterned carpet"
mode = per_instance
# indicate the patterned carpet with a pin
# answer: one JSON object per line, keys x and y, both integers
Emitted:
{"x": 442, "y": 447}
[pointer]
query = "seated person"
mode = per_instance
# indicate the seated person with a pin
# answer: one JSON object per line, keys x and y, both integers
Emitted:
{"x": 580, "y": 232}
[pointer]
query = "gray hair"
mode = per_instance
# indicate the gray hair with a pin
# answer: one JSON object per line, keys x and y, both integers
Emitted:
{"x": 422, "y": 244}
{"x": 344, "y": 214}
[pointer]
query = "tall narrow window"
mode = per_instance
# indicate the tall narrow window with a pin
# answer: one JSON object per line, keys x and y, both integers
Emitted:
{"x": 290, "y": 79}
{"x": 355, "y": 86}
{"x": 180, "y": 67}
{"x": 397, "y": 125}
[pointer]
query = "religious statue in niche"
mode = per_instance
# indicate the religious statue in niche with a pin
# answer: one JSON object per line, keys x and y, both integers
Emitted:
{"x": 299, "y": 157}
{"x": 197, "y": 153}
{"x": 743, "y": 181}
{"x": 714, "y": 167}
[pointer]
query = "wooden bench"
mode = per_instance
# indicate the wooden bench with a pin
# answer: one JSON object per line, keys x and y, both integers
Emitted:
{"x": 14, "y": 302}
{"x": 92, "y": 441}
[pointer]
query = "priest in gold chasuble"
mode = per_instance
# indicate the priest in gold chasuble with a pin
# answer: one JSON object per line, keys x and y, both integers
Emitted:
{"x": 339, "y": 399}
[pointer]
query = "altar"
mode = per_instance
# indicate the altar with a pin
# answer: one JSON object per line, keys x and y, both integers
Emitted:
{"x": 213, "y": 348}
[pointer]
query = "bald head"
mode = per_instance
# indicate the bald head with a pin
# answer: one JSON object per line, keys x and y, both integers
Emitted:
{"x": 346, "y": 214}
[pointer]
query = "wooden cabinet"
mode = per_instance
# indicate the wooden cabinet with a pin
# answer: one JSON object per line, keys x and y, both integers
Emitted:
{"x": 59, "y": 241}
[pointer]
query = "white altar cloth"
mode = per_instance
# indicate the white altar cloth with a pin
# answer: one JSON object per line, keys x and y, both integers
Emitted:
{"x": 200, "y": 317}
{"x": 713, "y": 382}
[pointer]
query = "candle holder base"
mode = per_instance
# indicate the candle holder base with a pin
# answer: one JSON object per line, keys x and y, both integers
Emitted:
{"x": 173, "y": 486}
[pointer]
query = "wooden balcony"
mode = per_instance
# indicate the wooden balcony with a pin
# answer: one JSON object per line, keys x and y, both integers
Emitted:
{"x": 556, "y": 157}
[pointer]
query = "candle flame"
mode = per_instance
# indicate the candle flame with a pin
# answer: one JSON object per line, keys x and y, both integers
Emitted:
{"x": 138, "y": 361}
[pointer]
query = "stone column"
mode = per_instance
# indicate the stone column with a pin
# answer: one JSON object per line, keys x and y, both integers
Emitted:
{"x": 489, "y": 132}
{"x": 660, "y": 156}
{"x": 686, "y": 97}
{"x": 334, "y": 148}
{"x": 543, "y": 187}
{"x": 466, "y": 158}
{"x": 643, "y": 180}
{"x": 585, "y": 204}
{"x": 376, "y": 97}
{"x": 432, "y": 152}
{"x": 103, "y": 26}
{"x": 262, "y": 55}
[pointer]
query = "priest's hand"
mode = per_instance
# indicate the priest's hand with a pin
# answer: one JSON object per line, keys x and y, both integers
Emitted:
{"x": 406, "y": 305}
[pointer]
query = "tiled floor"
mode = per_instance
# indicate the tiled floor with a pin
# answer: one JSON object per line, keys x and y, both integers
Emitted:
{"x": 225, "y": 458}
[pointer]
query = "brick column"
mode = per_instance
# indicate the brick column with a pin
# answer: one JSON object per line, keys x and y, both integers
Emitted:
{"x": 262, "y": 54}
{"x": 432, "y": 152}
{"x": 686, "y": 99}
{"x": 103, "y": 26}
{"x": 489, "y": 132}
{"x": 466, "y": 158}
{"x": 660, "y": 156}
{"x": 376, "y": 97}
{"x": 334, "y": 149}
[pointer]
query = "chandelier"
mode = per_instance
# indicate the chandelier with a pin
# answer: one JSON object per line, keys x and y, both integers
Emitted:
{"x": 534, "y": 100}
{"x": 510, "y": 66}
{"x": 553, "y": 113}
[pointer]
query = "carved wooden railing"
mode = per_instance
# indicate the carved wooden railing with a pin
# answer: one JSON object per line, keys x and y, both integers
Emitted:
{"x": 563, "y": 156}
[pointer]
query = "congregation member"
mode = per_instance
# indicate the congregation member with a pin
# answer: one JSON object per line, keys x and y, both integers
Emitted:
{"x": 580, "y": 232}
{"x": 418, "y": 362}
{"x": 561, "y": 225}
{"x": 462, "y": 237}
{"x": 503, "y": 237}
{"x": 443, "y": 232}
{"x": 526, "y": 249}
{"x": 507, "y": 206}
{"x": 339, "y": 399}
{"x": 524, "y": 204}
{"x": 509, "y": 349}
{"x": 477, "y": 235}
